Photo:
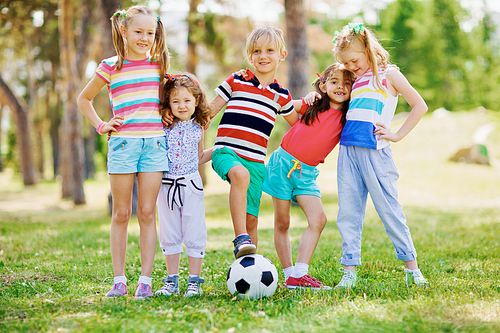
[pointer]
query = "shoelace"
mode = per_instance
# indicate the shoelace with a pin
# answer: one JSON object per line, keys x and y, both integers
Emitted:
{"x": 193, "y": 286}
{"x": 169, "y": 286}
{"x": 347, "y": 277}
{"x": 311, "y": 280}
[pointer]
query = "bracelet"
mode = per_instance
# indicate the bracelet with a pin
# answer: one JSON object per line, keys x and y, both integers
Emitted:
{"x": 99, "y": 128}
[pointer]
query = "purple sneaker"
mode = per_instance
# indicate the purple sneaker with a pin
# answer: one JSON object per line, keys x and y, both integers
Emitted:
{"x": 143, "y": 291}
{"x": 119, "y": 289}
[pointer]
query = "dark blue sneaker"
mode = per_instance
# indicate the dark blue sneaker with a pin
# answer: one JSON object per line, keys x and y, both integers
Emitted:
{"x": 243, "y": 245}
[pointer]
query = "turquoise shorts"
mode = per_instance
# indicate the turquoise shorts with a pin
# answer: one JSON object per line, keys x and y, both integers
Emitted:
{"x": 131, "y": 155}
{"x": 287, "y": 177}
{"x": 224, "y": 159}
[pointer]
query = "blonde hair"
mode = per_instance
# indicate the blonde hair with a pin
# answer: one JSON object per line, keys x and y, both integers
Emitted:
{"x": 159, "y": 51}
{"x": 192, "y": 84}
{"x": 274, "y": 36}
{"x": 362, "y": 38}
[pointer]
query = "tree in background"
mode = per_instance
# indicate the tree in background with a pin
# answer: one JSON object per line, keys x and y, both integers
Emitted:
{"x": 450, "y": 67}
{"x": 72, "y": 157}
{"x": 298, "y": 52}
{"x": 16, "y": 22}
{"x": 20, "y": 110}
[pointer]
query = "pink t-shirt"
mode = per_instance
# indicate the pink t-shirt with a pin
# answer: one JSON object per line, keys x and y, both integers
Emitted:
{"x": 311, "y": 144}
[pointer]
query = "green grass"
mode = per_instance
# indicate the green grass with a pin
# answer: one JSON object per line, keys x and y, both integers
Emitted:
{"x": 55, "y": 265}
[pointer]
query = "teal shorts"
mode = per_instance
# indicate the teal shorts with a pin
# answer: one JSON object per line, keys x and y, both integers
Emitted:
{"x": 131, "y": 155}
{"x": 224, "y": 159}
{"x": 287, "y": 177}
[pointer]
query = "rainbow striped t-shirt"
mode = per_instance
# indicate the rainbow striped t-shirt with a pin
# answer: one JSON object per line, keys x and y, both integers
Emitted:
{"x": 134, "y": 95}
{"x": 369, "y": 105}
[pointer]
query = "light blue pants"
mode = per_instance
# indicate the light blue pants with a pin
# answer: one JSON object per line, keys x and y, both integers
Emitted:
{"x": 361, "y": 171}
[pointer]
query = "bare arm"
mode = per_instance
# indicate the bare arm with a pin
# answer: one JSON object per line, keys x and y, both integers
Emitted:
{"x": 418, "y": 107}
{"x": 292, "y": 118}
{"x": 297, "y": 104}
{"x": 84, "y": 102}
{"x": 216, "y": 105}
{"x": 204, "y": 155}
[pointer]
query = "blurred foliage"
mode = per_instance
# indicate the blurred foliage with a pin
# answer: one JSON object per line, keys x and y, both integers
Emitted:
{"x": 449, "y": 66}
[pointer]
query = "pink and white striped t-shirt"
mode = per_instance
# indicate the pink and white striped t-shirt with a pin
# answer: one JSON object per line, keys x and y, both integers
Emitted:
{"x": 134, "y": 95}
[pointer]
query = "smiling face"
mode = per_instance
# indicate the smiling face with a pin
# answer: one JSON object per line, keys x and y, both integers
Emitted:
{"x": 140, "y": 36}
{"x": 265, "y": 56}
{"x": 182, "y": 103}
{"x": 355, "y": 60}
{"x": 338, "y": 89}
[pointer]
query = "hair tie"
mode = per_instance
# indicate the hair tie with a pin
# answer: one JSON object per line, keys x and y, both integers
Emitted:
{"x": 335, "y": 37}
{"x": 158, "y": 18}
{"x": 357, "y": 27}
{"x": 121, "y": 13}
{"x": 99, "y": 128}
{"x": 320, "y": 76}
{"x": 173, "y": 78}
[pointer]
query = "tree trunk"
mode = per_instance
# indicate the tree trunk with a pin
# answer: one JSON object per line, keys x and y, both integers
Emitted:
{"x": 54, "y": 116}
{"x": 193, "y": 59}
{"x": 106, "y": 8}
{"x": 20, "y": 111}
{"x": 1, "y": 114}
{"x": 297, "y": 61}
{"x": 82, "y": 55}
{"x": 192, "y": 56}
{"x": 72, "y": 165}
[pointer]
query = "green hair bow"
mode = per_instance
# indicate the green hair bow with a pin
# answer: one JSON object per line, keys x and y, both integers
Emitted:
{"x": 357, "y": 27}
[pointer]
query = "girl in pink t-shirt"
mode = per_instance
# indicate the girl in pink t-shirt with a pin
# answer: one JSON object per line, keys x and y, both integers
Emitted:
{"x": 291, "y": 172}
{"x": 136, "y": 145}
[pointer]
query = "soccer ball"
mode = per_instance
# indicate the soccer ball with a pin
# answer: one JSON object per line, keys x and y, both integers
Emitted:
{"x": 252, "y": 276}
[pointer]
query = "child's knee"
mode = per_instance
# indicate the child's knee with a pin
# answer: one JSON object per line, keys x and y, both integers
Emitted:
{"x": 282, "y": 225}
{"x": 239, "y": 175}
{"x": 146, "y": 213}
{"x": 319, "y": 222}
{"x": 121, "y": 215}
{"x": 252, "y": 222}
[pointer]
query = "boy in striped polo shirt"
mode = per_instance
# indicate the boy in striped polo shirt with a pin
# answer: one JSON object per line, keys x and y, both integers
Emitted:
{"x": 253, "y": 101}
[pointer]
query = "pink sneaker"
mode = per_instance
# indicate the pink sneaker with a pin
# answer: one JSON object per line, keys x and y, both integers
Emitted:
{"x": 305, "y": 282}
{"x": 143, "y": 291}
{"x": 119, "y": 289}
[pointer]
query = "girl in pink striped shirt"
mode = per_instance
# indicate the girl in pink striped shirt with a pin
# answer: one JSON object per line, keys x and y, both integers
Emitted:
{"x": 136, "y": 144}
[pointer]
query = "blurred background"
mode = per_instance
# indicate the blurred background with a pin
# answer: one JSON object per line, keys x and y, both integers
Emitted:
{"x": 448, "y": 50}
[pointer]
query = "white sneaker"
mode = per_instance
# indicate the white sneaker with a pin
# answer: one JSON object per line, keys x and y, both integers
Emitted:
{"x": 170, "y": 287}
{"x": 418, "y": 278}
{"x": 194, "y": 286}
{"x": 348, "y": 280}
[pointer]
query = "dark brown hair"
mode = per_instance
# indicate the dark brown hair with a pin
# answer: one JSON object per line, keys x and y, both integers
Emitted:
{"x": 323, "y": 104}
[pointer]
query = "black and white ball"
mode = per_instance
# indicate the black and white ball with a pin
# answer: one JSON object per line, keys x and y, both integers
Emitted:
{"x": 252, "y": 276}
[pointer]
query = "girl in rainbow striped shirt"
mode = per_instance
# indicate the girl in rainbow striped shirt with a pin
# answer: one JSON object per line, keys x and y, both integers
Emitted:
{"x": 136, "y": 137}
{"x": 365, "y": 163}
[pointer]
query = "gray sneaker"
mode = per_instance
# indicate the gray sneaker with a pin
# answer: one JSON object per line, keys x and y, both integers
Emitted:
{"x": 417, "y": 277}
{"x": 194, "y": 286}
{"x": 348, "y": 280}
{"x": 170, "y": 287}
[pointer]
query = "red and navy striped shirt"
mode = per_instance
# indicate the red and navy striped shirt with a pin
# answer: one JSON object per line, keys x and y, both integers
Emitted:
{"x": 250, "y": 114}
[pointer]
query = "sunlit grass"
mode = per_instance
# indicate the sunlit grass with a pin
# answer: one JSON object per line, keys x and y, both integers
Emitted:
{"x": 55, "y": 263}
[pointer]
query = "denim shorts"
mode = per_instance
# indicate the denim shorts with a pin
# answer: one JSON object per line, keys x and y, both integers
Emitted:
{"x": 287, "y": 177}
{"x": 224, "y": 159}
{"x": 131, "y": 155}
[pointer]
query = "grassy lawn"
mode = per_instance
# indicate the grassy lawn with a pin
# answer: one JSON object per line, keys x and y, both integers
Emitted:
{"x": 55, "y": 265}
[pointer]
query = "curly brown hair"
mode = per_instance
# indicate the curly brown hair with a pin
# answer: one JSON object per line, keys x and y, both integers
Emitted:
{"x": 192, "y": 84}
